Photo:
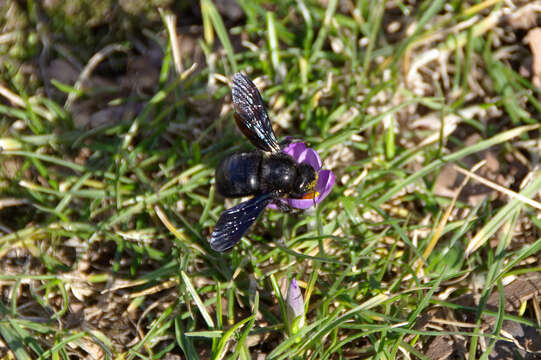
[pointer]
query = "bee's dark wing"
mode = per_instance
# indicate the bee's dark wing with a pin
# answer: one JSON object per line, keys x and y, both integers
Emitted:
{"x": 251, "y": 116}
{"x": 234, "y": 222}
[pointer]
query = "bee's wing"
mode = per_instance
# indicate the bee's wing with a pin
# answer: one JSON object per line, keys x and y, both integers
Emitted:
{"x": 234, "y": 222}
{"x": 251, "y": 116}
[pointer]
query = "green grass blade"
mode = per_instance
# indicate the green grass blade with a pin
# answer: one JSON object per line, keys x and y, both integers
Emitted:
{"x": 197, "y": 299}
{"x": 13, "y": 341}
{"x": 209, "y": 11}
{"x": 220, "y": 351}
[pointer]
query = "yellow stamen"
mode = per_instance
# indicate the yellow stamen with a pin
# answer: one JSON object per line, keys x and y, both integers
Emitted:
{"x": 313, "y": 183}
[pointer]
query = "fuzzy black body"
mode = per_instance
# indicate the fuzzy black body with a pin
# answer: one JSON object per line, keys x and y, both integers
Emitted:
{"x": 255, "y": 173}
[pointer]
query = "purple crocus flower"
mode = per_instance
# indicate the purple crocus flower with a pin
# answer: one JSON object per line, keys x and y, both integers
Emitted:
{"x": 294, "y": 308}
{"x": 325, "y": 178}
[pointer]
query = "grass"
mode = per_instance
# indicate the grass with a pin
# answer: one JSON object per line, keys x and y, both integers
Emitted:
{"x": 104, "y": 225}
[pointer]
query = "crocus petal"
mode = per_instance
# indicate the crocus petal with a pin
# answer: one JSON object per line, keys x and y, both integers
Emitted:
{"x": 294, "y": 307}
{"x": 300, "y": 203}
{"x": 311, "y": 157}
{"x": 295, "y": 149}
{"x": 272, "y": 206}
{"x": 324, "y": 185}
{"x": 294, "y": 298}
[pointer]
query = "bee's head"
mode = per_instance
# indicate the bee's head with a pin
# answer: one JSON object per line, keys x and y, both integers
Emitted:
{"x": 306, "y": 180}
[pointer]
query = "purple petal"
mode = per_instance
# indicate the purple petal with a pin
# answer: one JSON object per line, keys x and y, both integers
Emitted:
{"x": 273, "y": 206}
{"x": 295, "y": 149}
{"x": 311, "y": 157}
{"x": 324, "y": 185}
{"x": 294, "y": 300}
{"x": 300, "y": 203}
{"x": 302, "y": 154}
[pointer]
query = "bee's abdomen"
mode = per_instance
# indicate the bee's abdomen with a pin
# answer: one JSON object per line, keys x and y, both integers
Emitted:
{"x": 237, "y": 175}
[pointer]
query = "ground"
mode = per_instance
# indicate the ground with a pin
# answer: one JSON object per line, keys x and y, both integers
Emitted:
{"x": 113, "y": 116}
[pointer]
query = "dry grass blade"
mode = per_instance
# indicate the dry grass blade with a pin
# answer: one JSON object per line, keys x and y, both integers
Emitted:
{"x": 170, "y": 22}
{"x": 13, "y": 98}
{"x": 504, "y": 213}
{"x": 499, "y": 188}
{"x": 165, "y": 220}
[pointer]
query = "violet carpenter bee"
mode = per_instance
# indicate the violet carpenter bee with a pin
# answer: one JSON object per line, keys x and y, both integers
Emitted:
{"x": 267, "y": 173}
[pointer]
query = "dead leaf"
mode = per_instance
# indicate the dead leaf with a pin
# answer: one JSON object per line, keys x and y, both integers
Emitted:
{"x": 526, "y": 16}
{"x": 534, "y": 40}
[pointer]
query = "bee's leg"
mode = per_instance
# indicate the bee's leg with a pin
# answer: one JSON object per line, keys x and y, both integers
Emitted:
{"x": 283, "y": 206}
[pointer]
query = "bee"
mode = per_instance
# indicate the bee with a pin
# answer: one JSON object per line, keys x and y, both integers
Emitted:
{"x": 265, "y": 173}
